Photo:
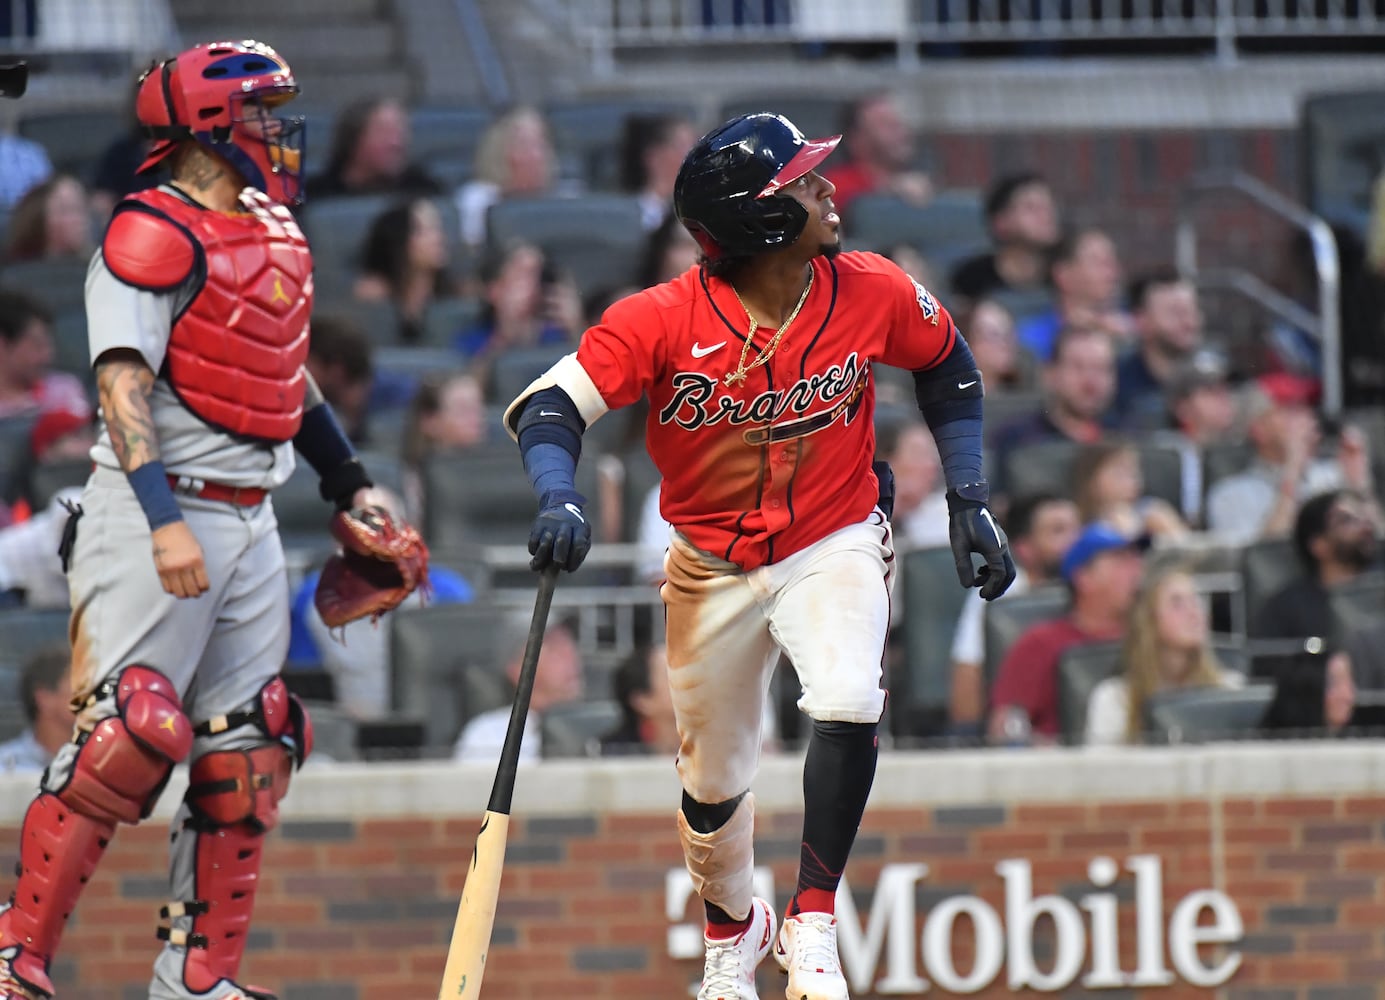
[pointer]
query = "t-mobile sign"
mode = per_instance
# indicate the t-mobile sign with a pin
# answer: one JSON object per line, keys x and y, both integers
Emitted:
{"x": 916, "y": 953}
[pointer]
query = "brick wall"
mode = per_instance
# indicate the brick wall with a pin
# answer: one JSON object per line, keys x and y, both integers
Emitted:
{"x": 362, "y": 908}
{"x": 1130, "y": 181}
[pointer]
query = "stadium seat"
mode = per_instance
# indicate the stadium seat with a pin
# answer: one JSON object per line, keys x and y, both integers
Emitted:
{"x": 24, "y": 632}
{"x": 60, "y": 284}
{"x": 1024, "y": 304}
{"x": 334, "y": 732}
{"x": 1039, "y": 468}
{"x": 415, "y": 362}
{"x": 575, "y": 729}
{"x": 1009, "y": 618}
{"x": 1206, "y": 714}
{"x": 446, "y": 318}
{"x": 932, "y": 602}
{"x": 1006, "y": 407}
{"x": 336, "y": 229}
{"x": 1080, "y": 670}
{"x": 50, "y": 477}
{"x": 484, "y": 497}
{"x": 71, "y": 349}
{"x": 450, "y": 135}
{"x": 1222, "y": 460}
{"x": 1162, "y": 469}
{"x": 14, "y": 448}
{"x": 599, "y": 240}
{"x": 640, "y": 477}
{"x": 445, "y": 667}
{"x": 74, "y": 139}
{"x": 1266, "y": 566}
{"x": 512, "y": 371}
{"x": 587, "y": 134}
{"x": 949, "y": 225}
{"x": 1341, "y": 137}
{"x": 302, "y": 513}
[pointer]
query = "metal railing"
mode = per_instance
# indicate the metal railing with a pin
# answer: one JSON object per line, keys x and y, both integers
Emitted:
{"x": 1325, "y": 324}
{"x": 609, "y": 25}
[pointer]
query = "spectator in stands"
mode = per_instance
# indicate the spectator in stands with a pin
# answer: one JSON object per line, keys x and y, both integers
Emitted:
{"x": 670, "y": 251}
{"x": 1200, "y": 401}
{"x": 912, "y": 263}
{"x": 1262, "y": 500}
{"x": 404, "y": 261}
{"x": 357, "y": 655}
{"x": 990, "y": 333}
{"x": 652, "y": 148}
{"x": 1168, "y": 325}
{"x": 1079, "y": 383}
{"x": 31, "y": 571}
{"x": 557, "y": 681}
{"x": 1167, "y": 648}
{"x": 881, "y": 149}
{"x": 1023, "y": 222}
{"x": 370, "y": 154}
{"x": 339, "y": 360}
{"x": 1102, "y": 570}
{"x": 27, "y": 385}
{"x": 920, "y": 506}
{"x": 116, "y": 172}
{"x": 1084, "y": 272}
{"x": 514, "y": 159}
{"x": 24, "y": 165}
{"x": 1042, "y": 527}
{"x": 1314, "y": 695}
{"x": 51, "y": 221}
{"x": 640, "y": 688}
{"x": 447, "y": 414}
{"x": 1335, "y": 541}
{"x": 1108, "y": 485}
{"x": 528, "y": 303}
{"x": 45, "y": 687}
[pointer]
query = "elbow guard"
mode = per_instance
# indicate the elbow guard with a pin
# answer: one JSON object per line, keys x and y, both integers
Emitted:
{"x": 551, "y": 417}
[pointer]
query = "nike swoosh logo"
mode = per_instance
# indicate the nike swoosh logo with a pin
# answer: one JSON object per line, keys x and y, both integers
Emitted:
{"x": 549, "y": 413}
{"x": 575, "y": 511}
{"x": 699, "y": 351}
{"x": 960, "y": 385}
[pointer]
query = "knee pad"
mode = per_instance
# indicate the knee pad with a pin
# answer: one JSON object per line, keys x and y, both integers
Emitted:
{"x": 122, "y": 765}
{"x": 276, "y": 713}
{"x": 722, "y": 862}
{"x": 233, "y": 786}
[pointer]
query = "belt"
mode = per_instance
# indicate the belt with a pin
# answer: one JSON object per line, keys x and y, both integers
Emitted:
{"x": 241, "y": 496}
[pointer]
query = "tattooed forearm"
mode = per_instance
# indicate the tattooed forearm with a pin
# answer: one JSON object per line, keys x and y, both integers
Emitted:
{"x": 124, "y": 382}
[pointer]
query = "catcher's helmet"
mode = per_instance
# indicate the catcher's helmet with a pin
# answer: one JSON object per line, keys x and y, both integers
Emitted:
{"x": 221, "y": 95}
{"x": 727, "y": 189}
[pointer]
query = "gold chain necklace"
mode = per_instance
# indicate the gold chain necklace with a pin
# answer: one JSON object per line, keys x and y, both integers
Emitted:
{"x": 742, "y": 369}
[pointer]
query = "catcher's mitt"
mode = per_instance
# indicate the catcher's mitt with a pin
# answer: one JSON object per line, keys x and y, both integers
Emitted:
{"x": 380, "y": 564}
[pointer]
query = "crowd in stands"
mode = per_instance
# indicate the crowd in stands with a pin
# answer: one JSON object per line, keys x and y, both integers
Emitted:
{"x": 1141, "y": 467}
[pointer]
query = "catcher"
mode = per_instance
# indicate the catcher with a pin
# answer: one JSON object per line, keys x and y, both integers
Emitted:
{"x": 197, "y": 309}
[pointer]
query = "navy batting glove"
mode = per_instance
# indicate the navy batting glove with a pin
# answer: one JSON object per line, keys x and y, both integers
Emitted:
{"x": 561, "y": 534}
{"x": 973, "y": 529}
{"x": 885, "y": 475}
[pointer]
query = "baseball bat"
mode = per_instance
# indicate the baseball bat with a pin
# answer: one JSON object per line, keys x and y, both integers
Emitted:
{"x": 471, "y": 934}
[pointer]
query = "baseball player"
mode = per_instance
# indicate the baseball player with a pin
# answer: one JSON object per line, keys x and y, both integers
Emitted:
{"x": 757, "y": 364}
{"x": 197, "y": 307}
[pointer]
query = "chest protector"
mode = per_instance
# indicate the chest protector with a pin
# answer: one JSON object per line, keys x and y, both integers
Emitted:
{"x": 236, "y": 353}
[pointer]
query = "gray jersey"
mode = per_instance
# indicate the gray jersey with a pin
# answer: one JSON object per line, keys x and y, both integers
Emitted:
{"x": 122, "y": 316}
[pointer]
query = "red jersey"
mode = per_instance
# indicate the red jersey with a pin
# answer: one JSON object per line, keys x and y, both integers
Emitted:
{"x": 757, "y": 471}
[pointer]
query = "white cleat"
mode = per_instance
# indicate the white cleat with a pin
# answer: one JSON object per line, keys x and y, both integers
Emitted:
{"x": 807, "y": 950}
{"x": 730, "y": 970}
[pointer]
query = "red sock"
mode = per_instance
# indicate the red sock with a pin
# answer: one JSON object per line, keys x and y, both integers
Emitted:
{"x": 815, "y": 900}
{"x": 721, "y": 926}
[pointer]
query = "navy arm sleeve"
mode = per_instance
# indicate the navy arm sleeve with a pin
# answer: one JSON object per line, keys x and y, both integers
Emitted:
{"x": 550, "y": 440}
{"x": 949, "y": 397}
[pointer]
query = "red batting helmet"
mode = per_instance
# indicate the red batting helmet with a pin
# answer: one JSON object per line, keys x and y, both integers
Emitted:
{"x": 221, "y": 95}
